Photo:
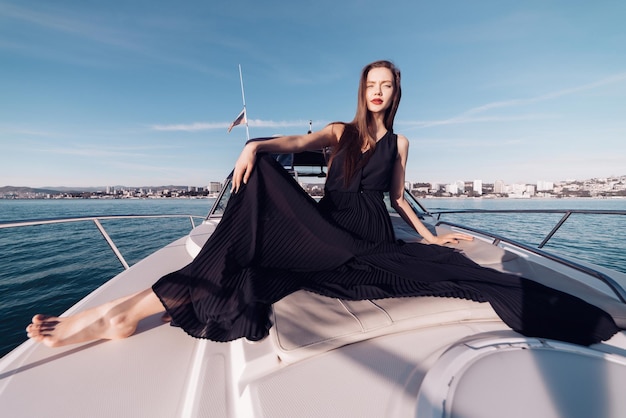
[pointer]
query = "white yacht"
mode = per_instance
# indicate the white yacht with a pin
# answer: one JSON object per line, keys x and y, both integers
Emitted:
{"x": 420, "y": 357}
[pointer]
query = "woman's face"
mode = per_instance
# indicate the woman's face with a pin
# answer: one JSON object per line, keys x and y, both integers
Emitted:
{"x": 379, "y": 89}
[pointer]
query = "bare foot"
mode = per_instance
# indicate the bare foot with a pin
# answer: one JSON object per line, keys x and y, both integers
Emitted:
{"x": 85, "y": 326}
{"x": 113, "y": 320}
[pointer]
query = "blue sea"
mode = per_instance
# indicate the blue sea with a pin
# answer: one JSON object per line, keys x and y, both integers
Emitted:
{"x": 48, "y": 268}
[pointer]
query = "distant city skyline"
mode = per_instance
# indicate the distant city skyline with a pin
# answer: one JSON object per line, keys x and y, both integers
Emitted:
{"x": 595, "y": 188}
{"x": 125, "y": 93}
{"x": 212, "y": 183}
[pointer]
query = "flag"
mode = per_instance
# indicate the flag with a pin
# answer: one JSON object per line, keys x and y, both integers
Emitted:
{"x": 240, "y": 119}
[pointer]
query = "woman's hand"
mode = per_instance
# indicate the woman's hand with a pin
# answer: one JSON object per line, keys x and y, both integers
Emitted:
{"x": 452, "y": 238}
{"x": 243, "y": 167}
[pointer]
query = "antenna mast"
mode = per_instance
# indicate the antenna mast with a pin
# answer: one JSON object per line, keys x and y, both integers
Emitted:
{"x": 243, "y": 97}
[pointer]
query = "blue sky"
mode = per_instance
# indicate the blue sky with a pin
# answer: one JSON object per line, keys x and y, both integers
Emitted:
{"x": 141, "y": 92}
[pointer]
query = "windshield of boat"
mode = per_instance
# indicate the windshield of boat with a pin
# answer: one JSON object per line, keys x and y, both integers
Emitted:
{"x": 415, "y": 205}
{"x": 220, "y": 203}
{"x": 222, "y": 199}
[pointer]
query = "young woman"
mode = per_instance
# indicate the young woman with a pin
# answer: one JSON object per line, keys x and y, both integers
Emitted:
{"x": 274, "y": 239}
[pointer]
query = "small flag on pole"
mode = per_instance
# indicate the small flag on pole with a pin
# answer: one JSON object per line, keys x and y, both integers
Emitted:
{"x": 239, "y": 120}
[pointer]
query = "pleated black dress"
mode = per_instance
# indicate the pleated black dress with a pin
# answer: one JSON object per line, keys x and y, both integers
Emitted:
{"x": 274, "y": 239}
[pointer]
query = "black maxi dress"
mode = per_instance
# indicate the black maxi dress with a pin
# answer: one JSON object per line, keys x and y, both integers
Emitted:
{"x": 274, "y": 239}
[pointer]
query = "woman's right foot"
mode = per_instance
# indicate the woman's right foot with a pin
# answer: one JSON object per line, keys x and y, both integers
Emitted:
{"x": 85, "y": 326}
{"x": 113, "y": 320}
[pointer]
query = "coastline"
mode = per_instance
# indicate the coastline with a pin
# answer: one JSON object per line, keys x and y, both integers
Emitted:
{"x": 213, "y": 196}
{"x": 610, "y": 187}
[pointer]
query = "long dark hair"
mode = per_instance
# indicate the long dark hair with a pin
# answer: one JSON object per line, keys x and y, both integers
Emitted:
{"x": 362, "y": 130}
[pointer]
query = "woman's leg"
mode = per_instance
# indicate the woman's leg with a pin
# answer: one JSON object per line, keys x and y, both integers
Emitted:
{"x": 113, "y": 320}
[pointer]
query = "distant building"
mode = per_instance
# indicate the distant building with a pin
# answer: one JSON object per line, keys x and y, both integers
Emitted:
{"x": 452, "y": 188}
{"x": 478, "y": 187}
{"x": 499, "y": 187}
{"x": 545, "y": 186}
{"x": 420, "y": 188}
{"x": 516, "y": 189}
{"x": 214, "y": 187}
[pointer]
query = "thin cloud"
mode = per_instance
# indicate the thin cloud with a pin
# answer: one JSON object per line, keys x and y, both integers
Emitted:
{"x": 549, "y": 96}
{"x": 55, "y": 21}
{"x": 91, "y": 28}
{"x": 190, "y": 127}
{"x": 462, "y": 119}
{"x": 279, "y": 124}
{"x": 207, "y": 126}
{"x": 470, "y": 143}
{"x": 511, "y": 27}
{"x": 27, "y": 131}
{"x": 104, "y": 152}
{"x": 469, "y": 116}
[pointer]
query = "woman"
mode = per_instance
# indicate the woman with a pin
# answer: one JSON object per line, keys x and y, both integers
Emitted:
{"x": 274, "y": 239}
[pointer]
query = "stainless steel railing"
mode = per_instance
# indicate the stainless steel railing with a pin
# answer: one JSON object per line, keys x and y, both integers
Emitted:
{"x": 96, "y": 220}
{"x": 566, "y": 214}
{"x": 619, "y": 291}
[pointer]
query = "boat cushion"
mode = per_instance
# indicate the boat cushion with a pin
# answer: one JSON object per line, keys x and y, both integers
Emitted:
{"x": 306, "y": 324}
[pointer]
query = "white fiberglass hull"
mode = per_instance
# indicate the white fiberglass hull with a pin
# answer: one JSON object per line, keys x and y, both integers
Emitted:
{"x": 426, "y": 357}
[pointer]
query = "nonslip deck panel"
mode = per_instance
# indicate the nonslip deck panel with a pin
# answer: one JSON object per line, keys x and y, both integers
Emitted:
{"x": 75, "y": 381}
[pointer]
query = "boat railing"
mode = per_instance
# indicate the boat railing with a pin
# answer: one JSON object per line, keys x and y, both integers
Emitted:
{"x": 96, "y": 220}
{"x": 497, "y": 239}
{"x": 566, "y": 214}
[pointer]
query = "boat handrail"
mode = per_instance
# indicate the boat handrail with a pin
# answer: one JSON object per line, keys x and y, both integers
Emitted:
{"x": 566, "y": 214}
{"x": 617, "y": 289}
{"x": 96, "y": 220}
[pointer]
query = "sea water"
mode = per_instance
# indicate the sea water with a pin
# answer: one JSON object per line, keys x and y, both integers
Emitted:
{"x": 48, "y": 268}
{"x": 596, "y": 239}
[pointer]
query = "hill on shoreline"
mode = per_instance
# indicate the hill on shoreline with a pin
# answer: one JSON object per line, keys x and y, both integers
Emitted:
{"x": 16, "y": 189}
{"x": 62, "y": 189}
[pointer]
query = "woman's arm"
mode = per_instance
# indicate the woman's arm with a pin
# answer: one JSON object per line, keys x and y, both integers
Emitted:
{"x": 326, "y": 137}
{"x": 404, "y": 208}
